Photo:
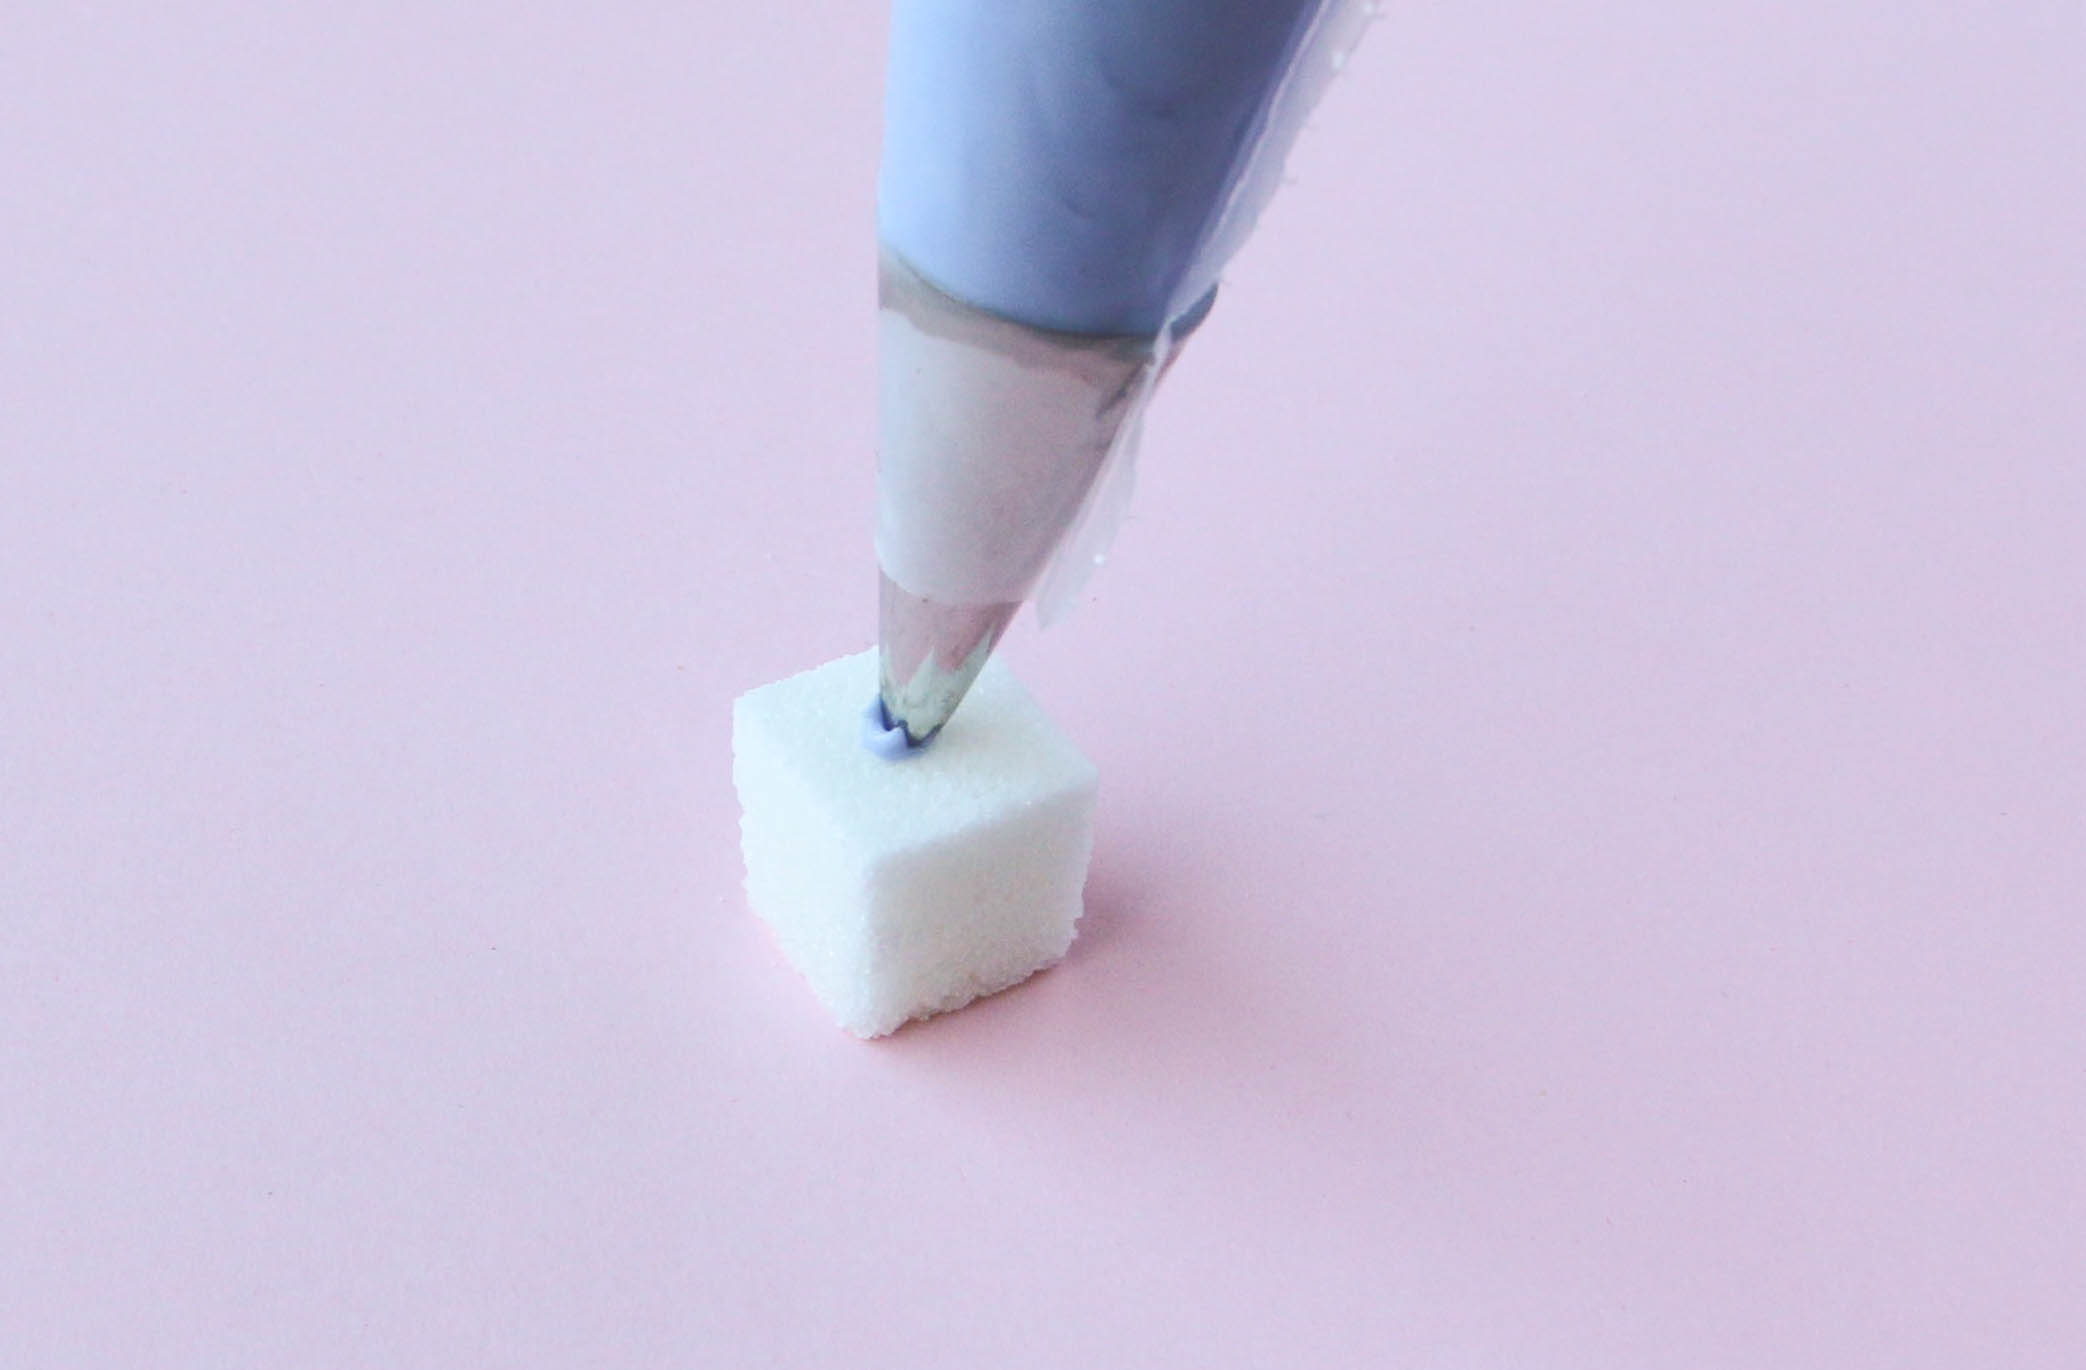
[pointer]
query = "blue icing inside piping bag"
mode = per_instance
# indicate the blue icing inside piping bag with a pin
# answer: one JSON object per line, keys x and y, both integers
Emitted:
{"x": 1070, "y": 164}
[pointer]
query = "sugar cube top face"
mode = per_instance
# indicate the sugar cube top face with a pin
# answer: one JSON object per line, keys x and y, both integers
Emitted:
{"x": 906, "y": 887}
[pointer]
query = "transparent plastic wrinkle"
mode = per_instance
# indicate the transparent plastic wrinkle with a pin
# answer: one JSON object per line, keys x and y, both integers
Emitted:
{"x": 1101, "y": 514}
{"x": 1324, "y": 49}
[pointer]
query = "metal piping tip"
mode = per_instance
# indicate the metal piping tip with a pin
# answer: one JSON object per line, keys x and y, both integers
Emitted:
{"x": 930, "y": 653}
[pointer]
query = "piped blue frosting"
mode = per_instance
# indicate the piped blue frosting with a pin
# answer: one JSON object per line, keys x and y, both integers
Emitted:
{"x": 886, "y": 739}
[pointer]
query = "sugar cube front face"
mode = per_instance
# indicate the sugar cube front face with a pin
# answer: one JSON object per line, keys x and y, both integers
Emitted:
{"x": 904, "y": 888}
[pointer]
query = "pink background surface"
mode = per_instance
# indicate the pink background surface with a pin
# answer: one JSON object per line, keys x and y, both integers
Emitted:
{"x": 1589, "y": 707}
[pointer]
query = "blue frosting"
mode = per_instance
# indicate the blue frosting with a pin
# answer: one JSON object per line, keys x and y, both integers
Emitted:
{"x": 886, "y": 739}
{"x": 1063, "y": 162}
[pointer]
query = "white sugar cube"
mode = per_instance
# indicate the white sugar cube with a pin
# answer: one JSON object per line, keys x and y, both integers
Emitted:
{"x": 909, "y": 887}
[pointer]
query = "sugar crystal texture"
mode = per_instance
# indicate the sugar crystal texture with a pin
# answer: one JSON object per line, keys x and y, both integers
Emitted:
{"x": 905, "y": 888}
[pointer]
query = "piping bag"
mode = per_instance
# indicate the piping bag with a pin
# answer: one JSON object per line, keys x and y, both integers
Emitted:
{"x": 1062, "y": 181}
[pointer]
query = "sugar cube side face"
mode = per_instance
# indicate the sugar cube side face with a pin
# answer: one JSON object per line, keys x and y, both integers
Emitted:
{"x": 901, "y": 889}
